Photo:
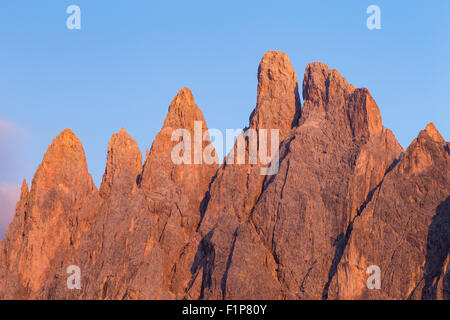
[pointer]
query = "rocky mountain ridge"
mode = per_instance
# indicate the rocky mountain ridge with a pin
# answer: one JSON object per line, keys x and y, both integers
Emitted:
{"x": 346, "y": 196}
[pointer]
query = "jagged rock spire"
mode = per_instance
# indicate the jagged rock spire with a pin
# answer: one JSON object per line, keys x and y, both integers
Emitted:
{"x": 322, "y": 85}
{"x": 183, "y": 111}
{"x": 424, "y": 151}
{"x": 182, "y": 114}
{"x": 328, "y": 96}
{"x": 124, "y": 164}
{"x": 278, "y": 101}
{"x": 48, "y": 220}
{"x": 64, "y": 164}
{"x": 24, "y": 190}
{"x": 433, "y": 133}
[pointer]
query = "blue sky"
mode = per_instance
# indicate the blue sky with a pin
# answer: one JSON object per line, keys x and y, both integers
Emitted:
{"x": 131, "y": 57}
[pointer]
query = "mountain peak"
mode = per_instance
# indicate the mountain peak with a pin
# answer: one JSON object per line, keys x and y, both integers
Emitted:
{"x": 278, "y": 101}
{"x": 67, "y": 133}
{"x": 49, "y": 212}
{"x": 124, "y": 163}
{"x": 66, "y": 138}
{"x": 320, "y": 83}
{"x": 66, "y": 146}
{"x": 24, "y": 189}
{"x": 64, "y": 163}
{"x": 183, "y": 111}
{"x": 425, "y": 151}
{"x": 182, "y": 114}
{"x": 433, "y": 133}
{"x": 275, "y": 65}
{"x": 183, "y": 97}
{"x": 329, "y": 97}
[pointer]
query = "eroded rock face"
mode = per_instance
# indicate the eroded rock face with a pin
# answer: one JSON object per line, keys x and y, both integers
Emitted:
{"x": 329, "y": 164}
{"x": 123, "y": 165}
{"x": 49, "y": 218}
{"x": 146, "y": 217}
{"x": 404, "y": 229}
{"x": 346, "y": 196}
{"x": 193, "y": 179}
{"x": 278, "y": 101}
{"x": 237, "y": 187}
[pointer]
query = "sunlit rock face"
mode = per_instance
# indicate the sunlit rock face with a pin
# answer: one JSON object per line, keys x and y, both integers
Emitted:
{"x": 345, "y": 197}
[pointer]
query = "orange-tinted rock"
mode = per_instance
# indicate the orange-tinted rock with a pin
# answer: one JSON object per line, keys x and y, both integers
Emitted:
{"x": 193, "y": 178}
{"x": 346, "y": 196}
{"x": 404, "y": 229}
{"x": 278, "y": 101}
{"x": 123, "y": 165}
{"x": 237, "y": 187}
{"x": 143, "y": 224}
{"x": 329, "y": 163}
{"x": 47, "y": 219}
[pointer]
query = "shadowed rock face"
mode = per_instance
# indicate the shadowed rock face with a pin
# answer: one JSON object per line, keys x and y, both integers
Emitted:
{"x": 346, "y": 196}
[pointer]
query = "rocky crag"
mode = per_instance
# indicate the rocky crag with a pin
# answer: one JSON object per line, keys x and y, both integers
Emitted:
{"x": 346, "y": 197}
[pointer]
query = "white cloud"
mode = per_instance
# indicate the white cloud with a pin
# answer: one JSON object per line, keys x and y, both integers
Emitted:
{"x": 9, "y": 195}
{"x": 11, "y": 170}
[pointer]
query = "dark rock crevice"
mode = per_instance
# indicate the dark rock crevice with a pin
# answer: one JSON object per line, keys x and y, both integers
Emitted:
{"x": 342, "y": 240}
{"x": 223, "y": 282}
{"x": 204, "y": 260}
{"x": 438, "y": 249}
